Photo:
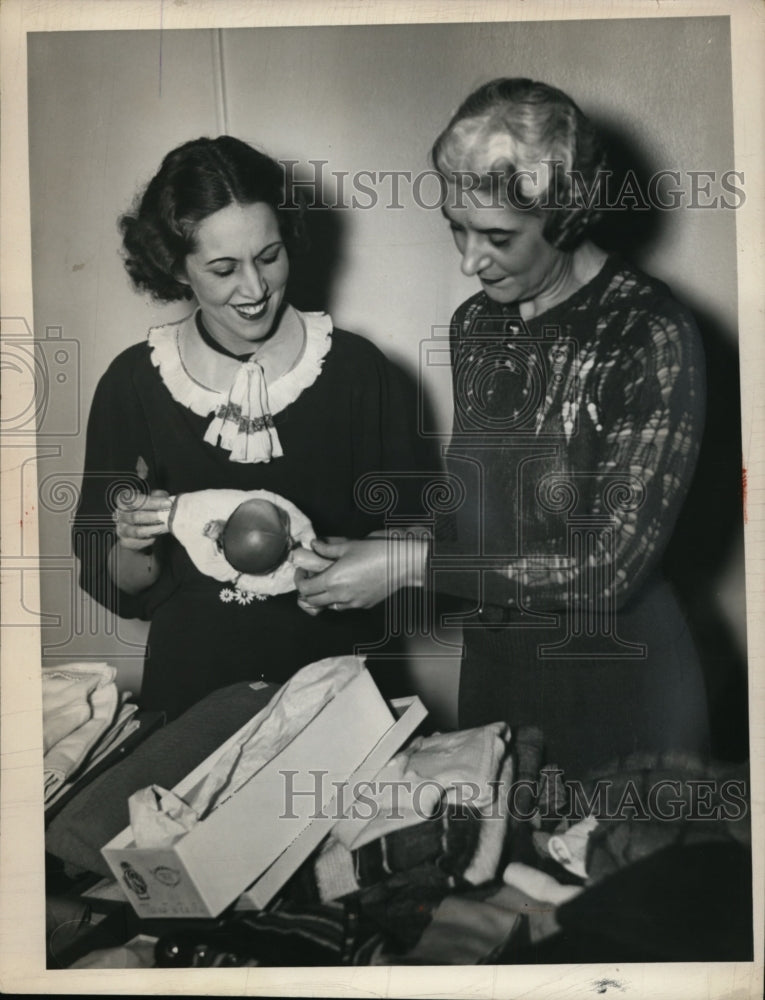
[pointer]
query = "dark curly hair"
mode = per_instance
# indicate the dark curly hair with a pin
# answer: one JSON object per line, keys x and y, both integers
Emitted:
{"x": 514, "y": 129}
{"x": 195, "y": 180}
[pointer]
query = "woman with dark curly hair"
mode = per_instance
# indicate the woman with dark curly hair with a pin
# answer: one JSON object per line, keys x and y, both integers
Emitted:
{"x": 245, "y": 393}
{"x": 579, "y": 402}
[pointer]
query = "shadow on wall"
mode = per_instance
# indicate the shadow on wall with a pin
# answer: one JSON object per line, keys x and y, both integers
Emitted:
{"x": 709, "y": 530}
{"x": 710, "y": 527}
{"x": 626, "y": 232}
{"x": 314, "y": 266}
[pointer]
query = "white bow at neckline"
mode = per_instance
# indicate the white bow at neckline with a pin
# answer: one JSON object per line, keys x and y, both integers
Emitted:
{"x": 243, "y": 424}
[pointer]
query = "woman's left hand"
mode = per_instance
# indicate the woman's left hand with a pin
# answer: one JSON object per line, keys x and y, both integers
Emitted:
{"x": 363, "y": 573}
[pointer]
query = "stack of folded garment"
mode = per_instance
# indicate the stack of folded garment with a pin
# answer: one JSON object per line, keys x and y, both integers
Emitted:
{"x": 84, "y": 719}
{"x": 432, "y": 823}
{"x": 468, "y": 770}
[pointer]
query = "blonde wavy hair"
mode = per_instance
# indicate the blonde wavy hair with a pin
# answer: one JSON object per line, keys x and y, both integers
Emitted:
{"x": 531, "y": 144}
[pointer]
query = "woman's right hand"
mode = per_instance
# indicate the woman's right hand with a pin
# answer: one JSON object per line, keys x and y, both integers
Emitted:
{"x": 141, "y": 521}
{"x": 307, "y": 564}
{"x": 362, "y": 572}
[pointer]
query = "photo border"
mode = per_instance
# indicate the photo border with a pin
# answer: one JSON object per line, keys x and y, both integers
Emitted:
{"x": 22, "y": 916}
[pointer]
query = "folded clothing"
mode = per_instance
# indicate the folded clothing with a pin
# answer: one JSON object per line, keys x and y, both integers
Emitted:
{"x": 66, "y": 692}
{"x": 458, "y": 767}
{"x": 80, "y": 702}
{"x": 100, "y": 811}
{"x": 120, "y": 730}
{"x": 466, "y": 931}
{"x": 460, "y": 825}
{"x": 397, "y": 881}
{"x": 285, "y": 934}
{"x": 449, "y": 840}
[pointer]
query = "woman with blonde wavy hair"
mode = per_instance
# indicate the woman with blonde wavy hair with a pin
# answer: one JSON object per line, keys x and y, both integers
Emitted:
{"x": 579, "y": 397}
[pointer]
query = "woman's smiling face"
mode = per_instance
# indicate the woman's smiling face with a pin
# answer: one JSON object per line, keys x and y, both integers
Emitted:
{"x": 238, "y": 273}
{"x": 503, "y": 247}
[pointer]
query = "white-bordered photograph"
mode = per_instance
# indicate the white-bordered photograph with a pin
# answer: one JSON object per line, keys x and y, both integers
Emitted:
{"x": 379, "y": 477}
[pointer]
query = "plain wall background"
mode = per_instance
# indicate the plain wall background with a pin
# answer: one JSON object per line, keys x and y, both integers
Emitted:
{"x": 106, "y": 106}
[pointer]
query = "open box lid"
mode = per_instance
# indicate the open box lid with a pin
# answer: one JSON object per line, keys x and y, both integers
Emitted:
{"x": 410, "y": 712}
{"x": 246, "y": 837}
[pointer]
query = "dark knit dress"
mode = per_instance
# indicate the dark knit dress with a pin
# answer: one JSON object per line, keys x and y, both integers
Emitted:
{"x": 575, "y": 439}
{"x": 356, "y": 417}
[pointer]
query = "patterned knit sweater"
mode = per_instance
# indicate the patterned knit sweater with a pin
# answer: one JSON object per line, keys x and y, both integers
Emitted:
{"x": 574, "y": 442}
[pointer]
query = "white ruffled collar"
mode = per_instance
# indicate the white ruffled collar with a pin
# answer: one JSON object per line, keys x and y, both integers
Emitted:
{"x": 236, "y": 391}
